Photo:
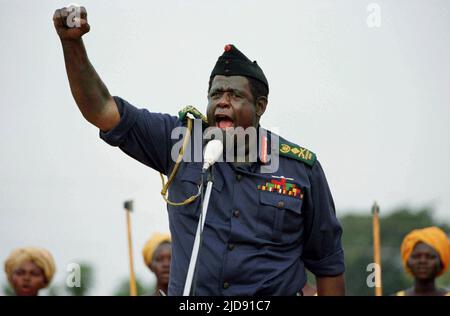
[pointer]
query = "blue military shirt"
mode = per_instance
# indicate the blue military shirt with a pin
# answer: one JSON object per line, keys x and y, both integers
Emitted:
{"x": 256, "y": 241}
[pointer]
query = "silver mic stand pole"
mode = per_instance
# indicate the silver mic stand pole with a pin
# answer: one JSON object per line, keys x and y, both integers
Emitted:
{"x": 197, "y": 241}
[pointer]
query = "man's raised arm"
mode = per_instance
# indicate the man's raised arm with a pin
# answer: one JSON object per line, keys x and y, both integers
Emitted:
{"x": 90, "y": 93}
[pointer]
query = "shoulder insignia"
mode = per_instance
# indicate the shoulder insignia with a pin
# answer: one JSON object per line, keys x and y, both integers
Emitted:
{"x": 288, "y": 149}
{"x": 193, "y": 111}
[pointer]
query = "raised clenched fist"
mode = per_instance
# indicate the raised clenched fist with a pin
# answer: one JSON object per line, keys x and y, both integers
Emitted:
{"x": 71, "y": 22}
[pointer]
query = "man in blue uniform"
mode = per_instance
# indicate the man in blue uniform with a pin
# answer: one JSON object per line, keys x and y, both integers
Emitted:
{"x": 262, "y": 228}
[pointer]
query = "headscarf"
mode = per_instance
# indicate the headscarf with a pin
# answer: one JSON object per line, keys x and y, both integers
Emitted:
{"x": 151, "y": 245}
{"x": 432, "y": 236}
{"x": 41, "y": 257}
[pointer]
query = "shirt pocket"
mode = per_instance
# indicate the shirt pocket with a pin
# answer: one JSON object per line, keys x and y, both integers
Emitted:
{"x": 184, "y": 186}
{"x": 279, "y": 217}
{"x": 188, "y": 185}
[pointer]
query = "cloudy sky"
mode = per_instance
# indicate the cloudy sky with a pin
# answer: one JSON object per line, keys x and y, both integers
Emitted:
{"x": 372, "y": 102}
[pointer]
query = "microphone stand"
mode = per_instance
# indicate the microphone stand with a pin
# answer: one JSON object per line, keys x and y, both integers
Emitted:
{"x": 199, "y": 234}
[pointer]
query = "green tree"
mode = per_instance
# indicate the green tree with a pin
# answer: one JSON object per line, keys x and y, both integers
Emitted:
{"x": 123, "y": 288}
{"x": 86, "y": 281}
{"x": 8, "y": 291}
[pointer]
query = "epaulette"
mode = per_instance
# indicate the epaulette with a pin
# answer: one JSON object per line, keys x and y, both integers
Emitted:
{"x": 192, "y": 110}
{"x": 291, "y": 150}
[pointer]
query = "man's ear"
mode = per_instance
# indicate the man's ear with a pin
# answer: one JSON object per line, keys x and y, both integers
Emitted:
{"x": 150, "y": 266}
{"x": 261, "y": 104}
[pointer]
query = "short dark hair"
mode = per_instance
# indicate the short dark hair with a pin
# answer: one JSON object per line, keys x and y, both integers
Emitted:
{"x": 257, "y": 88}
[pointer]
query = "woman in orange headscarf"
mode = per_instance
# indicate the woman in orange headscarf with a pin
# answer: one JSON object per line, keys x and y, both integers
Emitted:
{"x": 425, "y": 255}
{"x": 29, "y": 270}
{"x": 157, "y": 254}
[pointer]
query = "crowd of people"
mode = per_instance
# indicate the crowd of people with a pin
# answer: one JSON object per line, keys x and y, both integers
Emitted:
{"x": 425, "y": 255}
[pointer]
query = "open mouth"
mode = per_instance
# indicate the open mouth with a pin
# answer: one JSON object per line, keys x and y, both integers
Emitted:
{"x": 223, "y": 121}
{"x": 25, "y": 288}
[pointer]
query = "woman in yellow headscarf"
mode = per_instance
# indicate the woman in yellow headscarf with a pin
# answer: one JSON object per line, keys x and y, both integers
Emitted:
{"x": 157, "y": 254}
{"x": 425, "y": 255}
{"x": 29, "y": 270}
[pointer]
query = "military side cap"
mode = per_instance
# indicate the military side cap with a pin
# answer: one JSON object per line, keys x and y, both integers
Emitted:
{"x": 234, "y": 63}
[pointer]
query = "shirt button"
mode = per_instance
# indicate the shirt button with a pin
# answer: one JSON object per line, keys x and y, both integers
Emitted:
{"x": 230, "y": 247}
{"x": 238, "y": 177}
{"x": 226, "y": 285}
{"x": 236, "y": 213}
{"x": 280, "y": 205}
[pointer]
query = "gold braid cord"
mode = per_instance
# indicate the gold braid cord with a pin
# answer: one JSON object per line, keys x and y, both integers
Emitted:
{"x": 175, "y": 169}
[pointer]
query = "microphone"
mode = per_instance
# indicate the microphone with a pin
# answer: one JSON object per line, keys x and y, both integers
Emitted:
{"x": 213, "y": 152}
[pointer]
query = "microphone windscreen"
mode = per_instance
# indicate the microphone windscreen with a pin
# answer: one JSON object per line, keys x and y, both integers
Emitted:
{"x": 213, "y": 152}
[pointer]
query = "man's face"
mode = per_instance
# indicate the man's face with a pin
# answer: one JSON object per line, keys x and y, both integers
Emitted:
{"x": 161, "y": 263}
{"x": 424, "y": 262}
{"x": 230, "y": 103}
{"x": 28, "y": 279}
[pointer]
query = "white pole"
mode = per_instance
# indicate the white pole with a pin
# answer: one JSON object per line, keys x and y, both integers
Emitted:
{"x": 196, "y": 247}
